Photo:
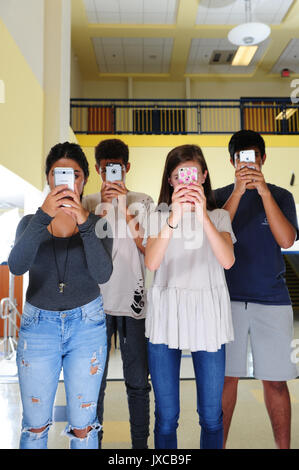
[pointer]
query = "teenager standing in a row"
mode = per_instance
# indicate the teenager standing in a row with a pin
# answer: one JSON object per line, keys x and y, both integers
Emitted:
{"x": 63, "y": 322}
{"x": 188, "y": 303}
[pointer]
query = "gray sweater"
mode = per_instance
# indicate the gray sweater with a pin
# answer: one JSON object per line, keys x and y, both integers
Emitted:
{"x": 89, "y": 262}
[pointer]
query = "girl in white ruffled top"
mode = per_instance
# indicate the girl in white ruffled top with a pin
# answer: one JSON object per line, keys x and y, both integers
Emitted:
{"x": 188, "y": 245}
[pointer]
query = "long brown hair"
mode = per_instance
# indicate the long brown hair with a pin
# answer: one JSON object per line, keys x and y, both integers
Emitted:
{"x": 181, "y": 154}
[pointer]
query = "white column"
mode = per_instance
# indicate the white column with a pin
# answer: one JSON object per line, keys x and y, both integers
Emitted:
{"x": 130, "y": 88}
{"x": 189, "y": 111}
{"x": 188, "y": 88}
{"x": 2, "y": 91}
{"x": 130, "y": 110}
{"x": 57, "y": 63}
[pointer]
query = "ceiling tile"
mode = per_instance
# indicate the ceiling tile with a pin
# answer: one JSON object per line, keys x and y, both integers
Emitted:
{"x": 154, "y": 55}
{"x": 106, "y": 6}
{"x": 289, "y": 58}
{"x": 131, "y": 5}
{"x": 128, "y": 17}
{"x": 131, "y": 11}
{"x": 233, "y": 11}
{"x": 109, "y": 18}
{"x": 135, "y": 55}
{"x": 134, "y": 68}
{"x": 109, "y": 41}
{"x": 156, "y": 5}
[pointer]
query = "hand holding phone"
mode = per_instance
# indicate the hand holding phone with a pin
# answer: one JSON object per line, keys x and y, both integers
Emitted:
{"x": 75, "y": 208}
{"x": 110, "y": 191}
{"x": 65, "y": 176}
{"x": 52, "y": 203}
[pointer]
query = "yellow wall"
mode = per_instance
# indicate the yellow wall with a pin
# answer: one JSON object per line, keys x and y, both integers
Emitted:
{"x": 148, "y": 153}
{"x": 235, "y": 88}
{"x": 72, "y": 136}
{"x": 21, "y": 116}
{"x": 76, "y": 90}
{"x": 200, "y": 88}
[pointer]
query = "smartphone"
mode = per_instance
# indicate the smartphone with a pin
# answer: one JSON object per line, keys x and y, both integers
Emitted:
{"x": 64, "y": 175}
{"x": 113, "y": 172}
{"x": 187, "y": 175}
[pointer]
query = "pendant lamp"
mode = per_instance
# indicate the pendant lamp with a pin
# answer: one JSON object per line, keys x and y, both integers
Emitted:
{"x": 249, "y": 33}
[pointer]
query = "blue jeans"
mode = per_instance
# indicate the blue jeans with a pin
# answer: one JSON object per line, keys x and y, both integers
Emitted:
{"x": 74, "y": 340}
{"x": 164, "y": 366}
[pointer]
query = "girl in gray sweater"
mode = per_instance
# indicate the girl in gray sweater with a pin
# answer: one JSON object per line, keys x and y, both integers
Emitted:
{"x": 63, "y": 323}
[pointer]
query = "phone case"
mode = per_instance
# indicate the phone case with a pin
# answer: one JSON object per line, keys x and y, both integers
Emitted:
{"x": 187, "y": 175}
{"x": 113, "y": 172}
{"x": 245, "y": 156}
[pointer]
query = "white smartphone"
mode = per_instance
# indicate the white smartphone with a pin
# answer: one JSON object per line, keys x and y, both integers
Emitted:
{"x": 113, "y": 172}
{"x": 247, "y": 156}
{"x": 64, "y": 175}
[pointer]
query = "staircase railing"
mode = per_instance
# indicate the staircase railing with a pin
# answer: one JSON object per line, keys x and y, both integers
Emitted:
{"x": 177, "y": 116}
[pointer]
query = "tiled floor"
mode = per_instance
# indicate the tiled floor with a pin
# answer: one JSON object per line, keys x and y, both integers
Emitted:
{"x": 250, "y": 427}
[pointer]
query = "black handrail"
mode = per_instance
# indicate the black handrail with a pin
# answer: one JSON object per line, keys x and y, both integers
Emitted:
{"x": 184, "y": 116}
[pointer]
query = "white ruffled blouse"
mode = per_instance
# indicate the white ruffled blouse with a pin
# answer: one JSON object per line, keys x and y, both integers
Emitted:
{"x": 188, "y": 304}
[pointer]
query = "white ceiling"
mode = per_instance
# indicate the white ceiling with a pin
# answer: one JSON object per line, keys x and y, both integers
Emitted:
{"x": 165, "y": 11}
{"x": 133, "y": 55}
{"x": 12, "y": 189}
{"x": 233, "y": 11}
{"x": 115, "y": 53}
{"x": 16, "y": 192}
{"x": 289, "y": 58}
{"x": 131, "y": 11}
{"x": 202, "y": 49}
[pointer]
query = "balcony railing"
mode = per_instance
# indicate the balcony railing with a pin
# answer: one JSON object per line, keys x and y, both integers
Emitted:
{"x": 264, "y": 115}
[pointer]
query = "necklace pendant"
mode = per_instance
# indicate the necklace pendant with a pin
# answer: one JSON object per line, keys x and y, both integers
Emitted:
{"x": 61, "y": 286}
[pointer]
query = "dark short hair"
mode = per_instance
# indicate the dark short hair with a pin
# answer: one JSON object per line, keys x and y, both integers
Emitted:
{"x": 244, "y": 139}
{"x": 70, "y": 151}
{"x": 112, "y": 149}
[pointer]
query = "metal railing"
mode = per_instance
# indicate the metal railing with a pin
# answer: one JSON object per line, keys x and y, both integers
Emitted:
{"x": 10, "y": 316}
{"x": 264, "y": 115}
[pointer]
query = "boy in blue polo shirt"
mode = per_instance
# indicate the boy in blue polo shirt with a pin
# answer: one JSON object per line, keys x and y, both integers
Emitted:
{"x": 264, "y": 221}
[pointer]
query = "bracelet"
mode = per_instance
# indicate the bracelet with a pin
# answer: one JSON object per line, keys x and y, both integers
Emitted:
{"x": 171, "y": 225}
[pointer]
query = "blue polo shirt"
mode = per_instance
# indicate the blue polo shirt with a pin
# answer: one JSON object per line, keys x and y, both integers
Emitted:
{"x": 258, "y": 273}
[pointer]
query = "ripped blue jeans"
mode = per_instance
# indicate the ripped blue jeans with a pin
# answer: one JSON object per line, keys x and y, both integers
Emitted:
{"x": 74, "y": 340}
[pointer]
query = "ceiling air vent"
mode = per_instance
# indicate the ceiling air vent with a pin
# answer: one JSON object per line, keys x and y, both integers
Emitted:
{"x": 222, "y": 57}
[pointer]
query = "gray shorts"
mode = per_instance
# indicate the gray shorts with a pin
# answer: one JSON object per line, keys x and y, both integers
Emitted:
{"x": 270, "y": 329}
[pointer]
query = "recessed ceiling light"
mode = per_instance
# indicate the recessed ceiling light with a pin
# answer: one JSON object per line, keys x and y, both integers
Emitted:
{"x": 244, "y": 55}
